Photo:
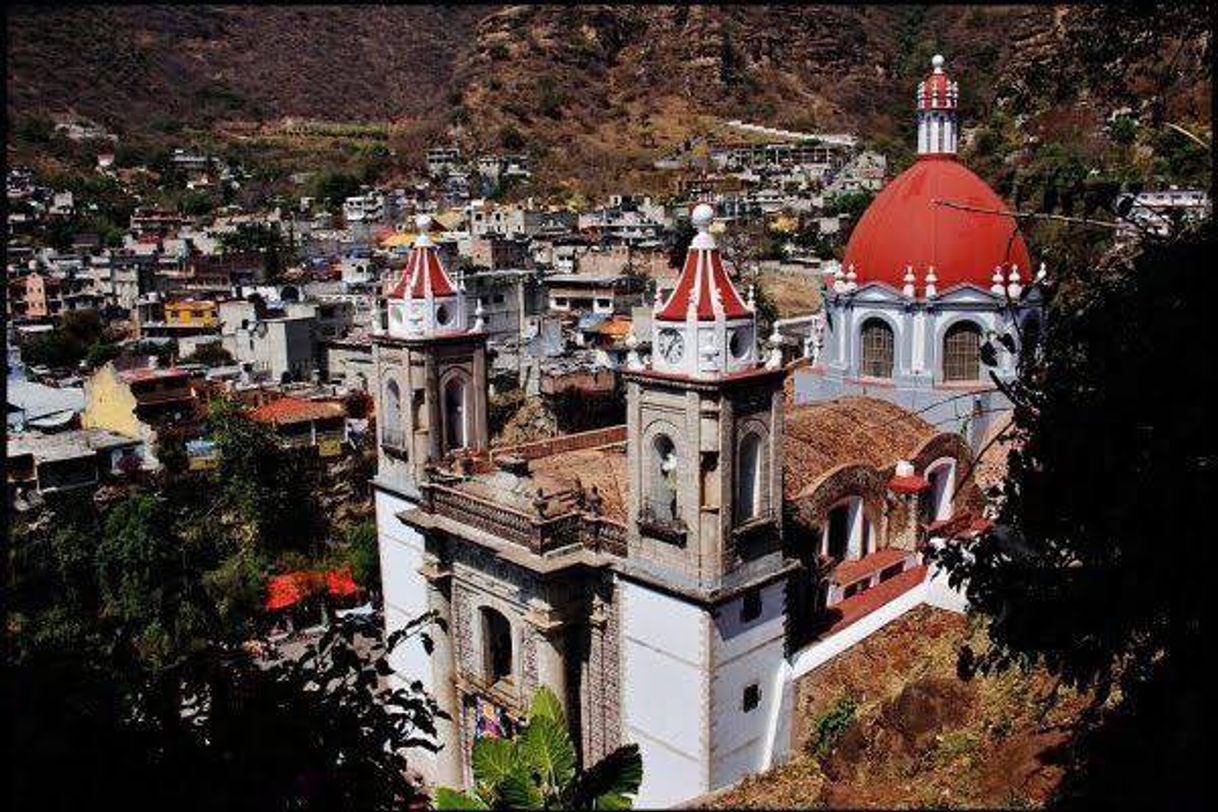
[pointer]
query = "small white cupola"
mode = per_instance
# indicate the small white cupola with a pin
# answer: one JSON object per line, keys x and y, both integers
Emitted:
{"x": 425, "y": 302}
{"x": 704, "y": 329}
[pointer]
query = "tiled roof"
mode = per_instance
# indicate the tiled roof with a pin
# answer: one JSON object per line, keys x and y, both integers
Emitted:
{"x": 823, "y": 436}
{"x": 296, "y": 410}
{"x": 151, "y": 373}
{"x": 856, "y": 608}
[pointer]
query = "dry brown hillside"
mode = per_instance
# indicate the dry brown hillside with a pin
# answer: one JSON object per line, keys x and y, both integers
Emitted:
{"x": 603, "y": 90}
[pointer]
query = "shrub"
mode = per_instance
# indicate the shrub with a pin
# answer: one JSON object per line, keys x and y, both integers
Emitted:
{"x": 831, "y": 724}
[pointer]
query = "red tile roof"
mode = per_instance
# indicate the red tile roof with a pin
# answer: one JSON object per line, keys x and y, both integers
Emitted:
{"x": 858, "y": 607}
{"x": 848, "y": 572}
{"x": 296, "y": 410}
{"x": 908, "y": 484}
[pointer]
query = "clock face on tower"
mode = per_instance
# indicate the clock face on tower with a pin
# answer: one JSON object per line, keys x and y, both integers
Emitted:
{"x": 671, "y": 345}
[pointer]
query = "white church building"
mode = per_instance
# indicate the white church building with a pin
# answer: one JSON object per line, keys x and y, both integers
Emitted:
{"x": 672, "y": 578}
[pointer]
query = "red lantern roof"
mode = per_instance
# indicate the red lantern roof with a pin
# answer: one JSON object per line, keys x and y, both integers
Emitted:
{"x": 904, "y": 227}
{"x": 423, "y": 275}
{"x": 703, "y": 282}
{"x": 423, "y": 272}
{"x": 937, "y": 91}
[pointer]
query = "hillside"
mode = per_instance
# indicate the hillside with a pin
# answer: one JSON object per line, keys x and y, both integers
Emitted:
{"x": 889, "y": 724}
{"x": 600, "y": 91}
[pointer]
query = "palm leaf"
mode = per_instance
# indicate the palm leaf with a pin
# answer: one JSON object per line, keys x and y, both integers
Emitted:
{"x": 546, "y": 746}
{"x": 494, "y": 760}
{"x": 547, "y": 706}
{"x": 446, "y": 798}
{"x": 609, "y": 783}
{"x": 518, "y": 791}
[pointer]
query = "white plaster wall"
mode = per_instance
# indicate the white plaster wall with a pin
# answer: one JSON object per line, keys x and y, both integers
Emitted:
{"x": 743, "y": 654}
{"x": 404, "y": 589}
{"x": 664, "y": 693}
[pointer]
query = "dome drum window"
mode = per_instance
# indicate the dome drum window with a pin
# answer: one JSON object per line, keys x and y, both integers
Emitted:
{"x": 876, "y": 349}
{"x": 962, "y": 353}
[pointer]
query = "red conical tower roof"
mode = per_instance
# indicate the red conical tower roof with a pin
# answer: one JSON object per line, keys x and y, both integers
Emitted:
{"x": 704, "y": 284}
{"x": 424, "y": 274}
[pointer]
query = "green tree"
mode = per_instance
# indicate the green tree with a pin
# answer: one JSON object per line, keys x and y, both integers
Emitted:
{"x": 211, "y": 354}
{"x": 120, "y": 662}
{"x": 270, "y": 490}
{"x": 1100, "y": 501}
{"x": 334, "y": 187}
{"x": 537, "y": 769}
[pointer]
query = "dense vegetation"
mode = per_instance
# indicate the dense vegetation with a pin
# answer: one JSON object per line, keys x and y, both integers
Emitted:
{"x": 1090, "y": 570}
{"x": 129, "y": 621}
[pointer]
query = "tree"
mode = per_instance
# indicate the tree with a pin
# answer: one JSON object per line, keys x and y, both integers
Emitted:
{"x": 537, "y": 769}
{"x": 682, "y": 236}
{"x": 271, "y": 490}
{"x": 211, "y": 354}
{"x": 119, "y": 663}
{"x": 1090, "y": 569}
{"x": 335, "y": 187}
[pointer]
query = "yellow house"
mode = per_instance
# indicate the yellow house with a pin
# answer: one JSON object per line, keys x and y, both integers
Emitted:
{"x": 192, "y": 313}
{"x": 140, "y": 403}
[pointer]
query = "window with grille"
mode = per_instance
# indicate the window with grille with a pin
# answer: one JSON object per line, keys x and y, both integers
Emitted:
{"x": 877, "y": 349}
{"x": 962, "y": 353}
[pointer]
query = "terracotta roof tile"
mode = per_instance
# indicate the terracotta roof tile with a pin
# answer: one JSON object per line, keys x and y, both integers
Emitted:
{"x": 296, "y": 410}
{"x": 823, "y": 436}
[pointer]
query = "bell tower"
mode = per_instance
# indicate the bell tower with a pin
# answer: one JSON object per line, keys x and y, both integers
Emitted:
{"x": 431, "y": 371}
{"x": 705, "y": 432}
{"x": 703, "y": 584}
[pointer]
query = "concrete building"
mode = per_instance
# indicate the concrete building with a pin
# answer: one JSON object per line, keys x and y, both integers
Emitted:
{"x": 48, "y": 464}
{"x": 272, "y": 347}
{"x": 146, "y": 404}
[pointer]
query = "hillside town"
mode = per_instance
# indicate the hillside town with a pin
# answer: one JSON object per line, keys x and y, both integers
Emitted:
{"x": 684, "y": 481}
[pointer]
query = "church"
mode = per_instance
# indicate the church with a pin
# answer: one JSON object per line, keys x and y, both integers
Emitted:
{"x": 672, "y": 578}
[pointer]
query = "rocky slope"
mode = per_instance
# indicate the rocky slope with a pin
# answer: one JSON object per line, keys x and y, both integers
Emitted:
{"x": 602, "y": 90}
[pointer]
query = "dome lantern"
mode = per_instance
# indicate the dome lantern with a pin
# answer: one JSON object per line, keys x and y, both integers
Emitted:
{"x": 937, "y": 97}
{"x": 705, "y": 327}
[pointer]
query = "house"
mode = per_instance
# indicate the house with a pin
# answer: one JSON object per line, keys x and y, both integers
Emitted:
{"x": 302, "y": 423}
{"x": 36, "y": 406}
{"x": 148, "y": 404}
{"x": 578, "y": 292}
{"x": 494, "y": 253}
{"x": 272, "y": 347}
{"x": 53, "y": 463}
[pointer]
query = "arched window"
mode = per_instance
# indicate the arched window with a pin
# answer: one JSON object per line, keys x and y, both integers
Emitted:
{"x": 393, "y": 407}
{"x": 936, "y": 501}
{"x": 496, "y": 645}
{"x": 748, "y": 478}
{"x": 962, "y": 352}
{"x": 454, "y": 413}
{"x": 663, "y": 500}
{"x": 877, "y": 349}
{"x": 837, "y": 541}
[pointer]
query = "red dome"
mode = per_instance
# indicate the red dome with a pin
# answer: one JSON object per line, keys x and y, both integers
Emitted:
{"x": 903, "y": 227}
